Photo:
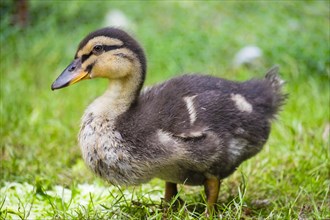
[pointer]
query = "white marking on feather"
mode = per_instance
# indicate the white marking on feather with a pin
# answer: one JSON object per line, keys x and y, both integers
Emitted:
{"x": 192, "y": 134}
{"x": 171, "y": 144}
{"x": 191, "y": 109}
{"x": 240, "y": 131}
{"x": 281, "y": 82}
{"x": 146, "y": 89}
{"x": 241, "y": 103}
{"x": 165, "y": 138}
{"x": 236, "y": 147}
{"x": 118, "y": 135}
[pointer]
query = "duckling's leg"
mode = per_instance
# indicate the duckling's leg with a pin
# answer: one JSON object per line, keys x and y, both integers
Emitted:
{"x": 212, "y": 187}
{"x": 170, "y": 191}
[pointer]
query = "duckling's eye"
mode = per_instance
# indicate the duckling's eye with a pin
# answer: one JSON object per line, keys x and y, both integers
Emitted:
{"x": 97, "y": 49}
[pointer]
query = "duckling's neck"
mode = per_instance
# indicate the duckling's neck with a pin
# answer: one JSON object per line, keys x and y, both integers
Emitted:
{"x": 119, "y": 96}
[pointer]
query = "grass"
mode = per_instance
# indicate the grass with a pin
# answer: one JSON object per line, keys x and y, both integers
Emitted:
{"x": 42, "y": 173}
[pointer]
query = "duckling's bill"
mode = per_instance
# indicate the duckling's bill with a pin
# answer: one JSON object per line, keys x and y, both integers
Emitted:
{"x": 72, "y": 74}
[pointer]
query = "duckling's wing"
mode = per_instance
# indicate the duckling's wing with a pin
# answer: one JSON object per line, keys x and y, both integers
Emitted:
{"x": 188, "y": 106}
{"x": 202, "y": 113}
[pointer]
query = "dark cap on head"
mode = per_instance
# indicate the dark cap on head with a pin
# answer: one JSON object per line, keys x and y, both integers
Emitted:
{"x": 121, "y": 35}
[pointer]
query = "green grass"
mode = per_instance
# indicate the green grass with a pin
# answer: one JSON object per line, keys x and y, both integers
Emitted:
{"x": 42, "y": 173}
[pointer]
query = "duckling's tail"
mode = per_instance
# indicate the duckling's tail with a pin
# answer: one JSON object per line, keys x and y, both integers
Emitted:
{"x": 276, "y": 83}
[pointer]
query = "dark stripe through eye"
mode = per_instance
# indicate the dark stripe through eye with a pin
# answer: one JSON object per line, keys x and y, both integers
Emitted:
{"x": 112, "y": 47}
{"x": 105, "y": 48}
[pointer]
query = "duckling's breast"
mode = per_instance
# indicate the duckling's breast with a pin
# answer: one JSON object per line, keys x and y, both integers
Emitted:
{"x": 108, "y": 155}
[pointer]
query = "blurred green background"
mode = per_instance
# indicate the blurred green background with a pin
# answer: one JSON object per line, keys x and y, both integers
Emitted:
{"x": 39, "y": 127}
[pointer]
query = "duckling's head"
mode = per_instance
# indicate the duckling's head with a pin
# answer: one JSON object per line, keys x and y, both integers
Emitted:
{"x": 107, "y": 53}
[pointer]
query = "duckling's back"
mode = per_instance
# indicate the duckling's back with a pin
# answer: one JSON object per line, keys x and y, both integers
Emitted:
{"x": 194, "y": 126}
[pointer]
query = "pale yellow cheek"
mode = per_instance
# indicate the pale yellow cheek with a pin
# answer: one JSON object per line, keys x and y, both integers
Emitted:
{"x": 111, "y": 68}
{"x": 121, "y": 68}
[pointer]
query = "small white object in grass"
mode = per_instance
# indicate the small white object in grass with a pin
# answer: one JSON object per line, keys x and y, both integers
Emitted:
{"x": 260, "y": 203}
{"x": 247, "y": 55}
{"x": 293, "y": 25}
{"x": 326, "y": 132}
{"x": 117, "y": 18}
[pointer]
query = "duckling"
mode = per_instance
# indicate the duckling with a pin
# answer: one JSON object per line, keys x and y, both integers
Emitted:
{"x": 192, "y": 129}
